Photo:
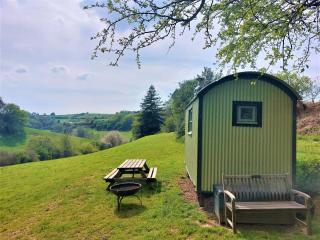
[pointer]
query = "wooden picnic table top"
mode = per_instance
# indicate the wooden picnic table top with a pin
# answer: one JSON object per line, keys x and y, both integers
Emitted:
{"x": 132, "y": 164}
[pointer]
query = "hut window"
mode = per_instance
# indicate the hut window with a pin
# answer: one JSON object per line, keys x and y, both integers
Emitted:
{"x": 247, "y": 114}
{"x": 190, "y": 121}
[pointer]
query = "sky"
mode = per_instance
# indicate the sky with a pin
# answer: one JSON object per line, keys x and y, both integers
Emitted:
{"x": 46, "y": 66}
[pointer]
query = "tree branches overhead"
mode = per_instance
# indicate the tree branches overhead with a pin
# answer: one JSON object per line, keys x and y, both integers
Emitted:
{"x": 285, "y": 31}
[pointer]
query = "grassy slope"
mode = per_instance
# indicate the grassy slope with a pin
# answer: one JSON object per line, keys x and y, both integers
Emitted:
{"x": 14, "y": 144}
{"x": 66, "y": 199}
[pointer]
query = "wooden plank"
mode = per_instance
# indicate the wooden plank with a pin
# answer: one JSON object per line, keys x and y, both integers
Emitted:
{"x": 142, "y": 163}
{"x": 130, "y": 164}
{"x": 270, "y": 205}
{"x": 154, "y": 174}
{"x": 136, "y": 163}
{"x": 127, "y": 163}
{"x": 122, "y": 164}
{"x": 112, "y": 174}
{"x": 150, "y": 173}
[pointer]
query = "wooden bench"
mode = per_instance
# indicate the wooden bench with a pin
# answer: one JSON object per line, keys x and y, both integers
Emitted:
{"x": 112, "y": 176}
{"x": 152, "y": 174}
{"x": 263, "y": 199}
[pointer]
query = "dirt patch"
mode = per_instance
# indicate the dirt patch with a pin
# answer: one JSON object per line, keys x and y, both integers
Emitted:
{"x": 188, "y": 190}
{"x": 205, "y": 202}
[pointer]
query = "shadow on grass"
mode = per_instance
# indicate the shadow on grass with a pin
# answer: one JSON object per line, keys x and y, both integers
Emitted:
{"x": 129, "y": 209}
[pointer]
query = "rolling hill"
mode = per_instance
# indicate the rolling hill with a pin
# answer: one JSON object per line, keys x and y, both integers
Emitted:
{"x": 66, "y": 199}
{"x": 14, "y": 143}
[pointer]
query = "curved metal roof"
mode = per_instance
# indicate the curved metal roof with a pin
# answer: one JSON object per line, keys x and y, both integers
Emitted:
{"x": 250, "y": 76}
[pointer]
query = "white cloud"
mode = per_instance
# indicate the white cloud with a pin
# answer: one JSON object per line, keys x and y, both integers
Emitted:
{"x": 84, "y": 76}
{"x": 59, "y": 69}
{"x": 21, "y": 69}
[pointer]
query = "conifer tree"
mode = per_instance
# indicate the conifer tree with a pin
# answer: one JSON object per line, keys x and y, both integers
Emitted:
{"x": 149, "y": 120}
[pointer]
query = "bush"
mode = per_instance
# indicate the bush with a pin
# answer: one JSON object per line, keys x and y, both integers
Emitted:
{"x": 44, "y": 147}
{"x": 112, "y": 139}
{"x": 88, "y": 148}
{"x": 83, "y": 132}
{"x": 308, "y": 176}
{"x": 7, "y": 158}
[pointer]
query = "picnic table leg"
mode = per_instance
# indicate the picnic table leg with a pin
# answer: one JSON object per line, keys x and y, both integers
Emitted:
{"x": 146, "y": 167}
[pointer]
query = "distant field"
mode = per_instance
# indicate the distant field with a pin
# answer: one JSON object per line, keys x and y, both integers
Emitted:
{"x": 66, "y": 199}
{"x": 14, "y": 144}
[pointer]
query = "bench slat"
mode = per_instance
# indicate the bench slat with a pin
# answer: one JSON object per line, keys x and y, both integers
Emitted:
{"x": 152, "y": 173}
{"x": 272, "y": 205}
{"x": 112, "y": 174}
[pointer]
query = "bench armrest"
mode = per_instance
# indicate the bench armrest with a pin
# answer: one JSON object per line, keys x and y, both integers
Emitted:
{"x": 230, "y": 195}
{"x": 306, "y": 197}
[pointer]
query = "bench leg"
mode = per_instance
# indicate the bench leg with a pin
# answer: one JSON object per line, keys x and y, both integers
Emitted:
{"x": 308, "y": 220}
{"x": 234, "y": 229}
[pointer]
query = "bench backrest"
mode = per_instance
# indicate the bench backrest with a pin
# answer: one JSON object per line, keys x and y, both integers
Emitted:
{"x": 258, "y": 187}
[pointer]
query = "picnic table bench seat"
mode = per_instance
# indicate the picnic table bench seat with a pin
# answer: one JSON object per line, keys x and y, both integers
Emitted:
{"x": 152, "y": 174}
{"x": 260, "y": 198}
{"x": 115, "y": 173}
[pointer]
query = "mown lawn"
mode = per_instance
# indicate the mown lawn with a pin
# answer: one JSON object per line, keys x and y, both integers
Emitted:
{"x": 66, "y": 199}
{"x": 19, "y": 143}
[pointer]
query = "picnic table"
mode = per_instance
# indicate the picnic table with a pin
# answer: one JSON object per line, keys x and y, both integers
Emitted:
{"x": 132, "y": 166}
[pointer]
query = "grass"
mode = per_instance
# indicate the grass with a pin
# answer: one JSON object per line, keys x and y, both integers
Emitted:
{"x": 19, "y": 143}
{"x": 66, "y": 199}
{"x": 308, "y": 147}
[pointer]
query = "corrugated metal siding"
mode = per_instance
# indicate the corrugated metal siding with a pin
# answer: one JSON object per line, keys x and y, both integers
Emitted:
{"x": 245, "y": 150}
{"x": 191, "y": 142}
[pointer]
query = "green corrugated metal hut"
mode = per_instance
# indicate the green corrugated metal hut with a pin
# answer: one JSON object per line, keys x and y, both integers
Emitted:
{"x": 240, "y": 124}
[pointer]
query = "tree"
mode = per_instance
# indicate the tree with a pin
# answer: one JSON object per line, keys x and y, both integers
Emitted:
{"x": 149, "y": 119}
{"x": 243, "y": 30}
{"x": 207, "y": 76}
{"x": 180, "y": 99}
{"x": 301, "y": 84}
{"x": 314, "y": 90}
{"x": 12, "y": 119}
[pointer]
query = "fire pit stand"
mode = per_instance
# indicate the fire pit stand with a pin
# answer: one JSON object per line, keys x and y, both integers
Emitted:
{"x": 126, "y": 189}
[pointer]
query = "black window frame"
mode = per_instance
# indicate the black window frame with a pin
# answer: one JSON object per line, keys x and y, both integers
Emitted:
{"x": 190, "y": 121}
{"x": 236, "y": 104}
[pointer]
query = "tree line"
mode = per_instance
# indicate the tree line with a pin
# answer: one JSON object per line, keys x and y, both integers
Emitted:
{"x": 156, "y": 116}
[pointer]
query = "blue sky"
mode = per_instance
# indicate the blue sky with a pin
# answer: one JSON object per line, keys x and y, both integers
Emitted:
{"x": 45, "y": 51}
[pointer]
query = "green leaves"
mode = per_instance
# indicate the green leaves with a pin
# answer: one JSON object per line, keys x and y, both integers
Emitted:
{"x": 280, "y": 31}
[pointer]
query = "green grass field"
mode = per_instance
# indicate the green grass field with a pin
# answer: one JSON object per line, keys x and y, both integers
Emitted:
{"x": 66, "y": 199}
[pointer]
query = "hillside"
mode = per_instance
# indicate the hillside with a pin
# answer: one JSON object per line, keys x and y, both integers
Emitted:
{"x": 13, "y": 144}
{"x": 309, "y": 118}
{"x": 66, "y": 199}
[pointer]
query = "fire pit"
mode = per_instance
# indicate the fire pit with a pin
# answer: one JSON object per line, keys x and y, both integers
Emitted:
{"x": 126, "y": 189}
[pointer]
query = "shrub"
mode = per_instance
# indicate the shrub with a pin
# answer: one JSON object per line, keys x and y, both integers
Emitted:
{"x": 44, "y": 147}
{"x": 83, "y": 132}
{"x": 88, "y": 148}
{"x": 308, "y": 176}
{"x": 27, "y": 156}
{"x": 112, "y": 139}
{"x": 68, "y": 149}
{"x": 7, "y": 158}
